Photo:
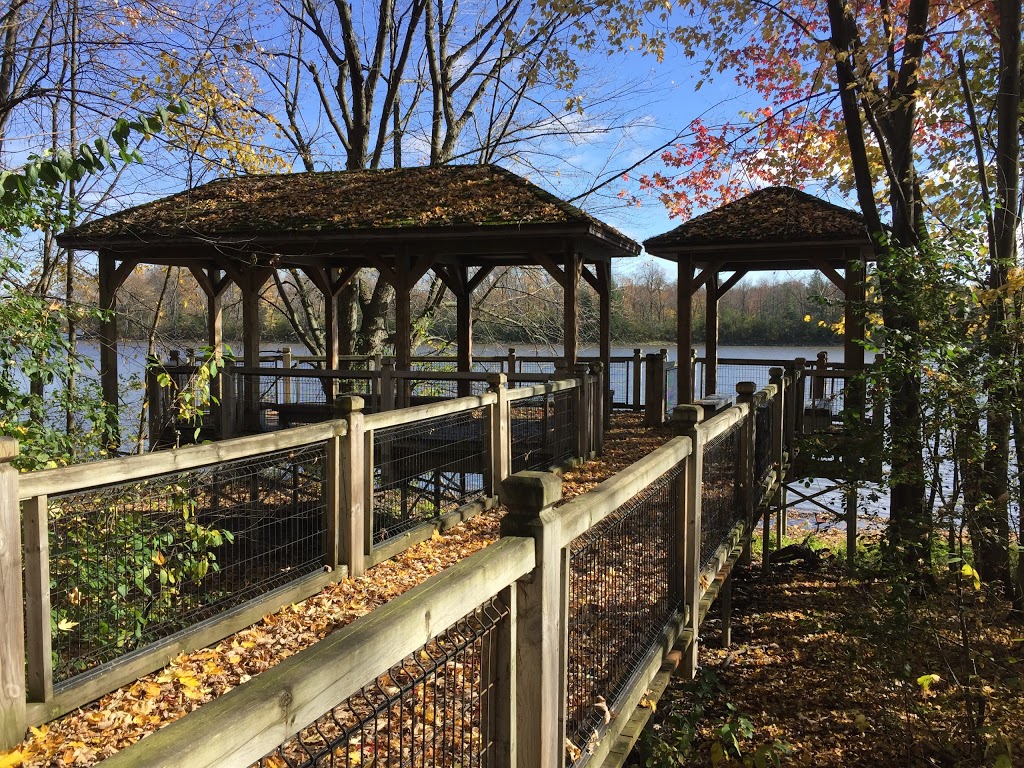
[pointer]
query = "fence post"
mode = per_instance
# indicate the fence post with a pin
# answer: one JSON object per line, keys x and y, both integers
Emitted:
{"x": 12, "y": 629}
{"x": 799, "y": 399}
{"x": 636, "y": 379}
{"x": 38, "y": 640}
{"x": 581, "y": 410}
{"x": 286, "y": 384}
{"x": 500, "y": 448}
{"x": 387, "y": 385}
{"x": 541, "y": 607}
{"x": 511, "y": 362}
{"x": 228, "y": 401}
{"x": 154, "y": 401}
{"x": 748, "y": 440}
{"x": 600, "y": 391}
{"x": 685, "y": 419}
{"x": 352, "y": 484}
{"x": 778, "y": 438}
{"x": 654, "y": 392}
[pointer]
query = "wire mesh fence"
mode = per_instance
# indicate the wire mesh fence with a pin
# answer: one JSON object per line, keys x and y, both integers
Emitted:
{"x": 720, "y": 507}
{"x": 731, "y": 372}
{"x": 136, "y": 562}
{"x": 285, "y": 398}
{"x": 436, "y": 707}
{"x": 671, "y": 386}
{"x": 622, "y": 593}
{"x": 426, "y": 469}
{"x": 620, "y": 381}
{"x": 543, "y": 431}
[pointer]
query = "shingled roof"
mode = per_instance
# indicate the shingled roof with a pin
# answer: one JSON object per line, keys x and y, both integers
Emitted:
{"x": 769, "y": 217}
{"x": 344, "y": 204}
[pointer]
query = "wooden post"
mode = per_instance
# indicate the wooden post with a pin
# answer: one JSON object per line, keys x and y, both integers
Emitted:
{"x": 711, "y": 332}
{"x": 601, "y": 408}
{"x": 39, "y": 643}
{"x": 685, "y": 420}
{"x": 108, "y": 346}
{"x": 403, "y": 326}
{"x": 215, "y": 340}
{"x": 541, "y": 604}
{"x": 637, "y": 377}
{"x": 500, "y": 448}
{"x": 778, "y": 411}
{"x": 748, "y": 439}
{"x": 851, "y": 523}
{"x": 654, "y": 394}
{"x": 12, "y": 628}
{"x": 684, "y": 320}
{"x": 511, "y": 362}
{"x": 250, "y": 289}
{"x": 570, "y": 308}
{"x": 464, "y": 328}
{"x": 286, "y": 382}
{"x": 818, "y": 384}
{"x": 506, "y": 671}
{"x": 604, "y": 283}
{"x": 352, "y": 484}
{"x": 581, "y": 410}
{"x": 387, "y": 385}
{"x": 797, "y": 401}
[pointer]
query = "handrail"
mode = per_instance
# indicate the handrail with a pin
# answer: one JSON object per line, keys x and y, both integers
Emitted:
{"x": 127, "y": 468}
{"x": 285, "y": 699}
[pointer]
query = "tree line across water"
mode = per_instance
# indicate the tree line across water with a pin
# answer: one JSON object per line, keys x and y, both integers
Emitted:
{"x": 518, "y": 306}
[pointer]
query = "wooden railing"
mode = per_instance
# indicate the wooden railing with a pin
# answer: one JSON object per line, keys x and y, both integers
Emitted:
{"x": 130, "y": 561}
{"x": 558, "y": 578}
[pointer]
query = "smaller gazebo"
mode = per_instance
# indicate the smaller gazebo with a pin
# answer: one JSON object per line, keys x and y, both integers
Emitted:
{"x": 777, "y": 228}
{"x": 461, "y": 222}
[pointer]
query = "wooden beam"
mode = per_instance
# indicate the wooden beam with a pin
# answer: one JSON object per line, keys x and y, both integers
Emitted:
{"x": 551, "y": 267}
{"x": 731, "y": 282}
{"x": 834, "y": 277}
{"x": 590, "y": 277}
{"x": 464, "y": 326}
{"x": 480, "y": 275}
{"x": 122, "y": 272}
{"x": 449, "y": 275}
{"x": 343, "y": 278}
{"x": 604, "y": 296}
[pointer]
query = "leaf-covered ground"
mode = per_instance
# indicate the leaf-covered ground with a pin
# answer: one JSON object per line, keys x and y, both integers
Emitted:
{"x": 841, "y": 670}
{"x": 121, "y": 718}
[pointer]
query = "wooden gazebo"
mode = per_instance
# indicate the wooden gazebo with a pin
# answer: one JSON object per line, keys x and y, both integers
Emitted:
{"x": 460, "y": 222}
{"x": 777, "y": 228}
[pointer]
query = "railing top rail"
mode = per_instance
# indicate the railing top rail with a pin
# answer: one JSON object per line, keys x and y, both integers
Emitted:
{"x": 442, "y": 375}
{"x": 428, "y": 411}
{"x": 287, "y": 698}
{"x": 833, "y": 373}
{"x": 723, "y": 422}
{"x": 303, "y": 373}
{"x": 587, "y": 510}
{"x": 523, "y": 393}
{"x": 127, "y": 468}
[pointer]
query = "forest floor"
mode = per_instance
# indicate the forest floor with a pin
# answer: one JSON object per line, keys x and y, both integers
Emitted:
{"x": 823, "y": 670}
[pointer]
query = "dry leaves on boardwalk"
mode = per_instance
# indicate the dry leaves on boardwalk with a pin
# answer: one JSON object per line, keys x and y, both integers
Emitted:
{"x": 121, "y": 718}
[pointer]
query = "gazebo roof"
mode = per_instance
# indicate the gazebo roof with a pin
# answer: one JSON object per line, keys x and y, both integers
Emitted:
{"x": 772, "y": 228}
{"x": 343, "y": 212}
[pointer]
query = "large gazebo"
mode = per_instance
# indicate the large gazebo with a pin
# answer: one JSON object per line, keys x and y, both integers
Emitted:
{"x": 460, "y": 222}
{"x": 773, "y": 229}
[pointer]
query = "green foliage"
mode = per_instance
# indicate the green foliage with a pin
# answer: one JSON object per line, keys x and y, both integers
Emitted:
{"x": 125, "y": 568}
{"x": 36, "y": 361}
{"x": 193, "y": 397}
{"x": 690, "y": 732}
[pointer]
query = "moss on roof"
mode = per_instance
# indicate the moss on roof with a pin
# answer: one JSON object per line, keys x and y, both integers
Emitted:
{"x": 341, "y": 201}
{"x": 774, "y": 215}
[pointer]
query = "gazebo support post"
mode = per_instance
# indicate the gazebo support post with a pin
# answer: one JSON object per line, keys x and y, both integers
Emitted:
{"x": 570, "y": 306}
{"x": 711, "y": 332}
{"x": 108, "y": 345}
{"x": 853, "y": 338}
{"x": 604, "y": 295}
{"x": 684, "y": 327}
{"x": 464, "y": 326}
{"x": 250, "y": 285}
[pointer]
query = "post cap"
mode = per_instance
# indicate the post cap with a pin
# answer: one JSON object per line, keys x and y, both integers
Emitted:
{"x": 687, "y": 416}
{"x": 745, "y": 387}
{"x": 346, "y": 404}
{"x": 596, "y": 366}
{"x": 776, "y": 373}
{"x": 529, "y": 493}
{"x": 8, "y": 449}
{"x": 496, "y": 380}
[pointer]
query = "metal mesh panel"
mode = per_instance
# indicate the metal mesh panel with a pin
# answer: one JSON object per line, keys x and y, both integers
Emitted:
{"x": 286, "y": 400}
{"x": 622, "y": 592}
{"x": 434, "y": 708}
{"x": 762, "y": 447}
{"x": 620, "y": 380}
{"x": 543, "y": 431}
{"x": 532, "y": 365}
{"x": 426, "y": 469}
{"x": 671, "y": 387}
{"x": 136, "y": 562}
{"x": 720, "y": 507}
{"x": 732, "y": 372}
